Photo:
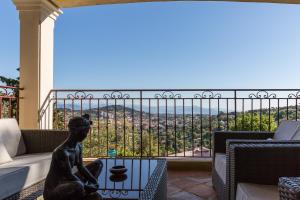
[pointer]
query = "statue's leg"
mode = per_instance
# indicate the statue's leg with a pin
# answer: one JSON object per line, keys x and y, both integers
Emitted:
{"x": 95, "y": 167}
{"x": 73, "y": 190}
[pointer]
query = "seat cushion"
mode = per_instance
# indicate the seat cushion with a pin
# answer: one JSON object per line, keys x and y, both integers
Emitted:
{"x": 4, "y": 156}
{"x": 23, "y": 172}
{"x": 220, "y": 165}
{"x": 286, "y": 130}
{"x": 11, "y": 137}
{"x": 249, "y": 191}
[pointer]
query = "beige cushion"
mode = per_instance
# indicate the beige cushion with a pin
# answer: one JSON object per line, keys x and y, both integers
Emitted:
{"x": 286, "y": 130}
{"x": 4, "y": 156}
{"x": 23, "y": 172}
{"x": 220, "y": 165}
{"x": 11, "y": 137}
{"x": 249, "y": 191}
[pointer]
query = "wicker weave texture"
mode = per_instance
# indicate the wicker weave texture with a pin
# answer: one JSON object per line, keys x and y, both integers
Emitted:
{"x": 157, "y": 185}
{"x": 220, "y": 138}
{"x": 39, "y": 141}
{"x": 289, "y": 188}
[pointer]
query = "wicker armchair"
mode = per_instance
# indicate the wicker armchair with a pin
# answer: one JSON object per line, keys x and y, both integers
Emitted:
{"x": 249, "y": 158}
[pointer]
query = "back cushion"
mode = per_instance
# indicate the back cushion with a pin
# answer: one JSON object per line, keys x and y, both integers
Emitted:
{"x": 286, "y": 130}
{"x": 10, "y": 134}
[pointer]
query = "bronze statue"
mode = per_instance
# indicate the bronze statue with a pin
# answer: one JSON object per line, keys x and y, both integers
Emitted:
{"x": 61, "y": 182}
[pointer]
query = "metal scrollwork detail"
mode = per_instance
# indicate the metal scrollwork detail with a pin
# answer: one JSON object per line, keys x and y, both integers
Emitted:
{"x": 7, "y": 92}
{"x": 80, "y": 95}
{"x": 116, "y": 95}
{"x": 294, "y": 96}
{"x": 207, "y": 95}
{"x": 262, "y": 94}
{"x": 167, "y": 95}
{"x": 115, "y": 193}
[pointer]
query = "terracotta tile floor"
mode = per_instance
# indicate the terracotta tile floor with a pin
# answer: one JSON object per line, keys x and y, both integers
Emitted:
{"x": 190, "y": 185}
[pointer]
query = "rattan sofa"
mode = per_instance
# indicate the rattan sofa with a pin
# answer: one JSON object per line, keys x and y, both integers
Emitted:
{"x": 23, "y": 176}
{"x": 246, "y": 163}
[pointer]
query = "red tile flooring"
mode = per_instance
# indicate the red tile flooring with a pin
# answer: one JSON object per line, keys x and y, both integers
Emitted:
{"x": 190, "y": 185}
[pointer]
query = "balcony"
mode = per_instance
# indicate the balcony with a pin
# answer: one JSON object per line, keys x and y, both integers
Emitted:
{"x": 175, "y": 124}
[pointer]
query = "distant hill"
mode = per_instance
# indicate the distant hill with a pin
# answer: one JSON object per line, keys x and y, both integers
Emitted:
{"x": 136, "y": 108}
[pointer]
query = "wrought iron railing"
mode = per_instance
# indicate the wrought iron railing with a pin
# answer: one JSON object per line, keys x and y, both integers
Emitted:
{"x": 8, "y": 102}
{"x": 171, "y": 123}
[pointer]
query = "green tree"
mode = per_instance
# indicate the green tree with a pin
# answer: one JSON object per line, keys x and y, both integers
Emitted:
{"x": 10, "y": 107}
{"x": 253, "y": 122}
{"x": 14, "y": 82}
{"x": 58, "y": 119}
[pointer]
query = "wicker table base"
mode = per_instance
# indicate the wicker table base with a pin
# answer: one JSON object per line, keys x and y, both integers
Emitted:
{"x": 289, "y": 188}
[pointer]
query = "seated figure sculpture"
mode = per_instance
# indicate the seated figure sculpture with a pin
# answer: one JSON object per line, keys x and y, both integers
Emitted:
{"x": 61, "y": 182}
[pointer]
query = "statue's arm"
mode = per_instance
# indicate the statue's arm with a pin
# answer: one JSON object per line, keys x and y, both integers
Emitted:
{"x": 66, "y": 167}
{"x": 84, "y": 171}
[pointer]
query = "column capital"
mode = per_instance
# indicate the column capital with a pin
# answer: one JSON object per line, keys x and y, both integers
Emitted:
{"x": 45, "y": 7}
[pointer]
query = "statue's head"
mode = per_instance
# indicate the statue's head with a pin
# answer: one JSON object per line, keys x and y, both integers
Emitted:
{"x": 79, "y": 127}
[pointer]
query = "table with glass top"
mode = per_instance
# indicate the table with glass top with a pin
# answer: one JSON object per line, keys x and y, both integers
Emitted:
{"x": 144, "y": 179}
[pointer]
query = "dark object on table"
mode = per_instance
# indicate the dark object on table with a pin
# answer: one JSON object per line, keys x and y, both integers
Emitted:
{"x": 118, "y": 178}
{"x": 289, "y": 188}
{"x": 61, "y": 183}
{"x": 118, "y": 169}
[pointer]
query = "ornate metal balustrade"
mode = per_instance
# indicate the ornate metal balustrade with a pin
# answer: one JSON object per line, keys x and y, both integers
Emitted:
{"x": 8, "y": 102}
{"x": 177, "y": 122}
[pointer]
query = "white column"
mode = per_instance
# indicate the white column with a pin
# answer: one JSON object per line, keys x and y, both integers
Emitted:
{"x": 37, "y": 19}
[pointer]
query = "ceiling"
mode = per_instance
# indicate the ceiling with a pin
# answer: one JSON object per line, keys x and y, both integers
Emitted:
{"x": 78, "y": 3}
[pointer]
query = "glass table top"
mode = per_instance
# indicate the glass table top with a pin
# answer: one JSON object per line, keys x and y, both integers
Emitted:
{"x": 129, "y": 186}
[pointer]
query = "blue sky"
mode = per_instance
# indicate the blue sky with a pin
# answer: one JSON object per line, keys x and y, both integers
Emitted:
{"x": 168, "y": 45}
